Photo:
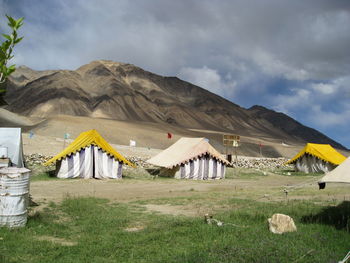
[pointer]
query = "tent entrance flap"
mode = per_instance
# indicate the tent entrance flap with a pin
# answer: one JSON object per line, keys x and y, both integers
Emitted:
{"x": 90, "y": 162}
{"x": 78, "y": 165}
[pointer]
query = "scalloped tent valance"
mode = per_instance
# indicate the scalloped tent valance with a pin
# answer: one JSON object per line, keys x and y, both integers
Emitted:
{"x": 185, "y": 150}
{"x": 86, "y": 139}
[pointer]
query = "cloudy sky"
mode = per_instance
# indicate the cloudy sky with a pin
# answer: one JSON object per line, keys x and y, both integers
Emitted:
{"x": 291, "y": 56}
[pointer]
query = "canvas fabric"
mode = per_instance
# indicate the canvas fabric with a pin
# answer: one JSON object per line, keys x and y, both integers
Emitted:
{"x": 11, "y": 138}
{"x": 185, "y": 150}
{"x": 89, "y": 162}
{"x": 85, "y": 139}
{"x": 341, "y": 174}
{"x": 203, "y": 168}
{"x": 106, "y": 166}
{"x": 324, "y": 152}
{"x": 311, "y": 164}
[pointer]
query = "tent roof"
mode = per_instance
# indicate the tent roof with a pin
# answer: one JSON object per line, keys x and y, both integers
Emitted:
{"x": 85, "y": 139}
{"x": 324, "y": 152}
{"x": 338, "y": 175}
{"x": 184, "y": 150}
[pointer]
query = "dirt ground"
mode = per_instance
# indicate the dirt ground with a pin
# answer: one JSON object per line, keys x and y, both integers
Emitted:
{"x": 194, "y": 195}
{"x": 187, "y": 197}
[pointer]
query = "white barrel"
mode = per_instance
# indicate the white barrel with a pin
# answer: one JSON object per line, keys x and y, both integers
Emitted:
{"x": 14, "y": 196}
{"x": 3, "y": 152}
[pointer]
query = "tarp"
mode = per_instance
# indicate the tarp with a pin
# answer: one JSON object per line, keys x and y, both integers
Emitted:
{"x": 324, "y": 152}
{"x": 341, "y": 174}
{"x": 11, "y": 138}
{"x": 184, "y": 150}
{"x": 85, "y": 139}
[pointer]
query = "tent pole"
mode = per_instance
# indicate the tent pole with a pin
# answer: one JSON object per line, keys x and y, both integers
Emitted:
{"x": 93, "y": 161}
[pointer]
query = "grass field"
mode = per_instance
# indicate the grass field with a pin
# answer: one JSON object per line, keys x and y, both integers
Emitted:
{"x": 89, "y": 229}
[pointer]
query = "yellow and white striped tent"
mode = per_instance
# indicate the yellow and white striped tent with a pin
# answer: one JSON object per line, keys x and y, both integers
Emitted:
{"x": 315, "y": 158}
{"x": 89, "y": 156}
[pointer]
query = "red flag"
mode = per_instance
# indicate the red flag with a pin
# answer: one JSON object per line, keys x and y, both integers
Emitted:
{"x": 169, "y": 135}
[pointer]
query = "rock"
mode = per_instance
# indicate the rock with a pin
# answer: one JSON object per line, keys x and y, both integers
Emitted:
{"x": 280, "y": 223}
{"x": 261, "y": 163}
{"x": 35, "y": 159}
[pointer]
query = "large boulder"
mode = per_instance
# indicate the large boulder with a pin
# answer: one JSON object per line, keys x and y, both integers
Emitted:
{"x": 280, "y": 223}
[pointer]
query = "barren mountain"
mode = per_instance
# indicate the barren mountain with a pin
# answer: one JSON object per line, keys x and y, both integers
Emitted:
{"x": 290, "y": 126}
{"x": 124, "y": 92}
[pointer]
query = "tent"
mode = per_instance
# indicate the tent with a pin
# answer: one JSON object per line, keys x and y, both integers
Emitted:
{"x": 341, "y": 174}
{"x": 314, "y": 158}
{"x": 89, "y": 156}
{"x": 191, "y": 158}
{"x": 11, "y": 139}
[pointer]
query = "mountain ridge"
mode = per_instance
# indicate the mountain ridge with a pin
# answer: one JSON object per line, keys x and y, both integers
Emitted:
{"x": 121, "y": 91}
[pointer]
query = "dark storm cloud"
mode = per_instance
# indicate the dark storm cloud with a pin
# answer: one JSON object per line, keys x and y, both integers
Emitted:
{"x": 272, "y": 52}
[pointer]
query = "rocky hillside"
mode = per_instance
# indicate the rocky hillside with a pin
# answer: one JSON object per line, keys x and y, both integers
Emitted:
{"x": 111, "y": 90}
{"x": 290, "y": 126}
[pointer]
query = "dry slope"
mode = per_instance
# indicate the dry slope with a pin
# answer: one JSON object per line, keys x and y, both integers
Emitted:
{"x": 118, "y": 91}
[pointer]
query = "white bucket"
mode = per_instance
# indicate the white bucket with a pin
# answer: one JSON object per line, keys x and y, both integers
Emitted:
{"x": 14, "y": 194}
{"x": 3, "y": 152}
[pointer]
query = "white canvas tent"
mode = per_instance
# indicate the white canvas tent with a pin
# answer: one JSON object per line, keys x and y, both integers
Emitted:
{"x": 191, "y": 158}
{"x": 11, "y": 138}
{"x": 89, "y": 156}
{"x": 341, "y": 174}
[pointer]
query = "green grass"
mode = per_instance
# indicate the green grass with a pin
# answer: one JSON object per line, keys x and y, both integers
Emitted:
{"x": 43, "y": 176}
{"x": 96, "y": 230}
{"x": 44, "y": 173}
{"x": 295, "y": 173}
{"x": 243, "y": 173}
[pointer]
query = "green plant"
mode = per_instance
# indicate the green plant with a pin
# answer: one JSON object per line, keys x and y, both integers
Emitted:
{"x": 6, "y": 50}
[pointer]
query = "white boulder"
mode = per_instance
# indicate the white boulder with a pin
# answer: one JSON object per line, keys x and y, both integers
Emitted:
{"x": 280, "y": 223}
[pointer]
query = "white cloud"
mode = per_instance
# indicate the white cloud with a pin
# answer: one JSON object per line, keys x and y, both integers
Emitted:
{"x": 324, "y": 119}
{"x": 294, "y": 39}
{"x": 326, "y": 89}
{"x": 320, "y": 105}
{"x": 209, "y": 79}
{"x": 299, "y": 99}
{"x": 275, "y": 67}
{"x": 235, "y": 48}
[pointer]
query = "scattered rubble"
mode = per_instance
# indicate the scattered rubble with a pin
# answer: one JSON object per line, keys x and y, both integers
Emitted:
{"x": 242, "y": 162}
{"x": 139, "y": 161}
{"x": 35, "y": 159}
{"x": 261, "y": 163}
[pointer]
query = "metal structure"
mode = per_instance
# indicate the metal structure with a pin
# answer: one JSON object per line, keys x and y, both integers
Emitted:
{"x": 14, "y": 194}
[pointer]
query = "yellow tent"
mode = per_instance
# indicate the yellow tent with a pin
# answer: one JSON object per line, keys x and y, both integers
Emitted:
{"x": 89, "y": 156}
{"x": 317, "y": 157}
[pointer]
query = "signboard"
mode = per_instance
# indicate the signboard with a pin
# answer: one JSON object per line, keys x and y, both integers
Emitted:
{"x": 231, "y": 140}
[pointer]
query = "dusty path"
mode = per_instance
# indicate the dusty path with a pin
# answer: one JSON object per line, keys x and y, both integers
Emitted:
{"x": 128, "y": 190}
{"x": 188, "y": 198}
